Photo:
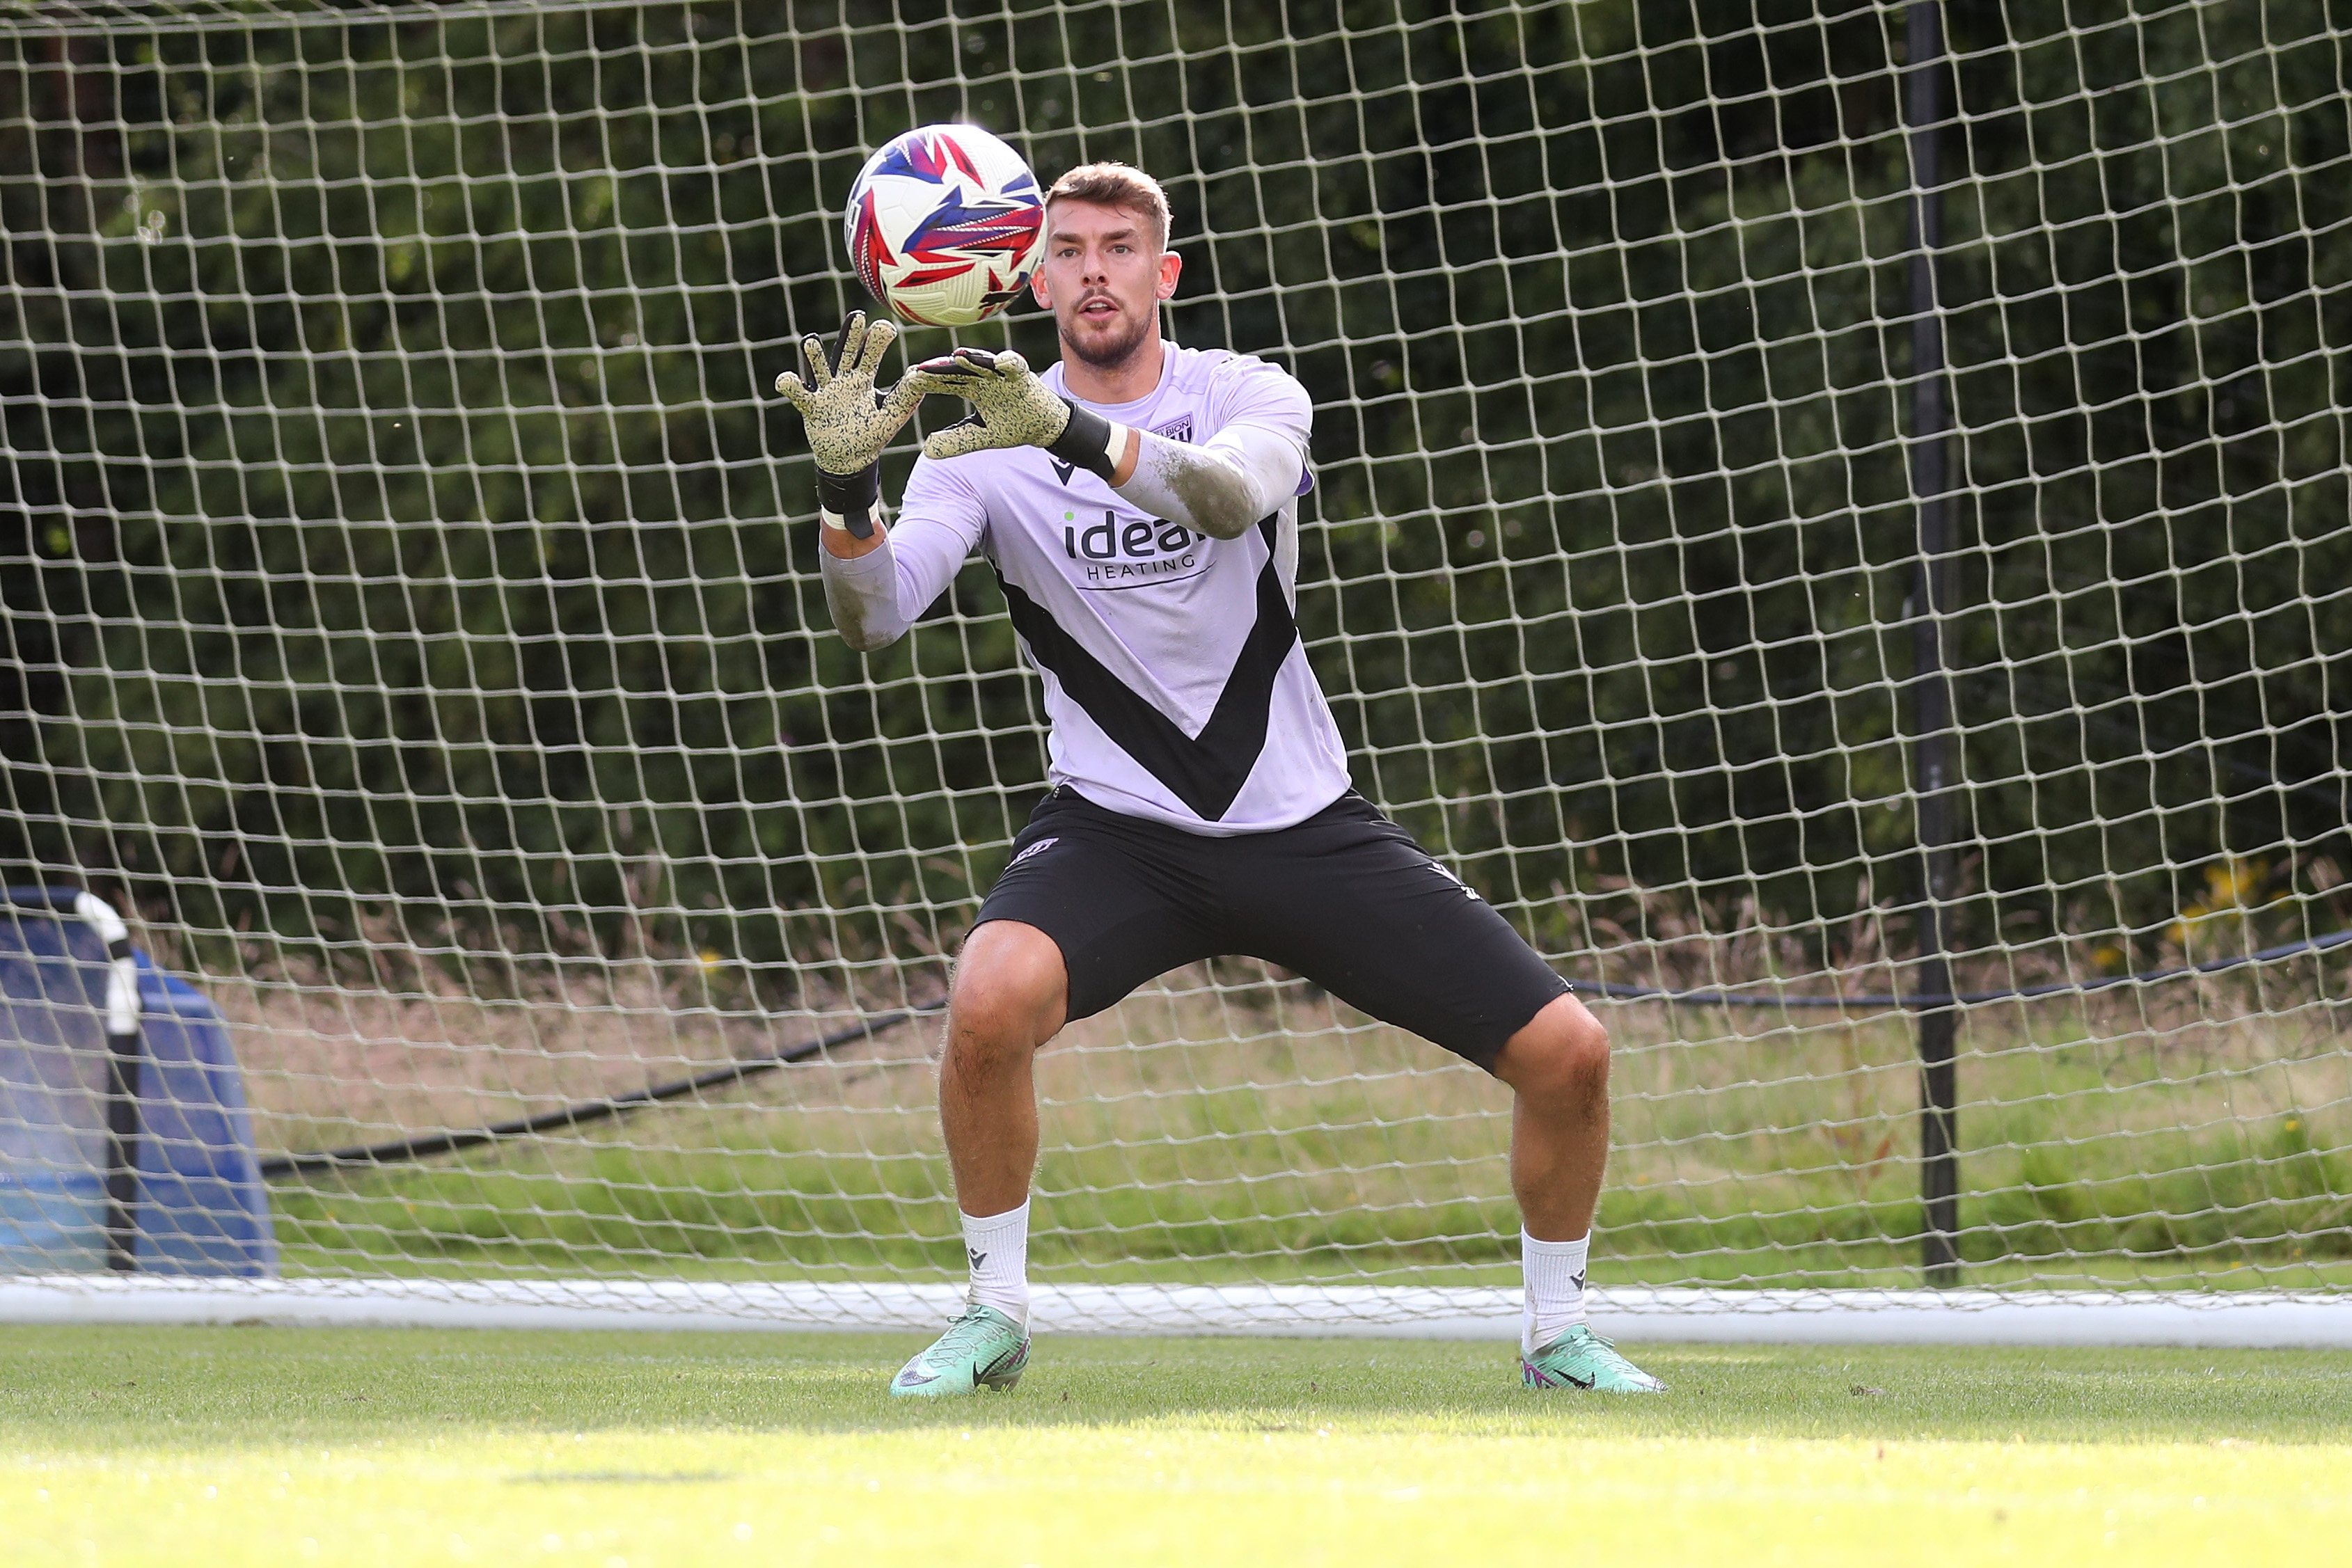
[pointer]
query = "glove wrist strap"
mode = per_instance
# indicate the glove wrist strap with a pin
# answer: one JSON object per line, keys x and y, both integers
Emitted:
{"x": 849, "y": 501}
{"x": 1090, "y": 442}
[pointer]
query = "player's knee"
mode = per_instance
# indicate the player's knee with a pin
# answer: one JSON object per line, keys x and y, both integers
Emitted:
{"x": 1562, "y": 1054}
{"x": 1008, "y": 995}
{"x": 988, "y": 1025}
{"x": 988, "y": 1019}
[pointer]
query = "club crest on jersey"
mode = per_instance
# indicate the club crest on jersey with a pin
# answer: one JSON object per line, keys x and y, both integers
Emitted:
{"x": 1174, "y": 430}
{"x": 1129, "y": 551}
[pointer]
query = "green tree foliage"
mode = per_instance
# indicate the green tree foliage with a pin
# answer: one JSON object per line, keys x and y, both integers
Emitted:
{"x": 394, "y": 476}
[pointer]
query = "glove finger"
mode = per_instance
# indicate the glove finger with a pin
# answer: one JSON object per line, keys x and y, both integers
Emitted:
{"x": 949, "y": 375}
{"x": 1011, "y": 364}
{"x": 795, "y": 392}
{"x": 958, "y": 440}
{"x": 847, "y": 343}
{"x": 960, "y": 363}
{"x": 820, "y": 368}
{"x": 879, "y": 335}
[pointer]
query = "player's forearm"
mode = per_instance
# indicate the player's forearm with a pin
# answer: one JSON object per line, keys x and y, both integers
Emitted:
{"x": 861, "y": 588}
{"x": 878, "y": 586}
{"x": 1221, "y": 489}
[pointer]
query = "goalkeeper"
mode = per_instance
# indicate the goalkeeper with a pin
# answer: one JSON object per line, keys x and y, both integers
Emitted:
{"x": 1140, "y": 504}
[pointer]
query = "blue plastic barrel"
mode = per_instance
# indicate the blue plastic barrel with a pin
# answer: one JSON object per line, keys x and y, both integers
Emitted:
{"x": 201, "y": 1207}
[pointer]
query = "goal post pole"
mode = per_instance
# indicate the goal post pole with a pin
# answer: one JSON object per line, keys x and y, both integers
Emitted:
{"x": 1931, "y": 714}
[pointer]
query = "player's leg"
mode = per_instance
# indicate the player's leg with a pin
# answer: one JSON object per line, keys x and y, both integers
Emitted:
{"x": 1006, "y": 1000}
{"x": 1558, "y": 1068}
{"x": 1091, "y": 906}
{"x": 1010, "y": 992}
{"x": 1348, "y": 899}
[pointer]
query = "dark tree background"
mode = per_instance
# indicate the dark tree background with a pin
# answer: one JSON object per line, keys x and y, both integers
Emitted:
{"x": 394, "y": 523}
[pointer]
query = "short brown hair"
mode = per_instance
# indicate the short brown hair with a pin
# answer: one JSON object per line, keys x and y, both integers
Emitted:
{"x": 1120, "y": 186}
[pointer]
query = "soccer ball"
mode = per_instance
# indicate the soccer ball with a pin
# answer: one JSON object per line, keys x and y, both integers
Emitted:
{"x": 945, "y": 224}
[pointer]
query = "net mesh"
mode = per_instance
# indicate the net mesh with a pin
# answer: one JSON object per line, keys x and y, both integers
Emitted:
{"x": 413, "y": 614}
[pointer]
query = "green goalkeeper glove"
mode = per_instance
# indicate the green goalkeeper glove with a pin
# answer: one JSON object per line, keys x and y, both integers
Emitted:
{"x": 1011, "y": 407}
{"x": 850, "y": 421}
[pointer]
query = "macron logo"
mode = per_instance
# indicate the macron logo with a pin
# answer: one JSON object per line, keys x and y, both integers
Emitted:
{"x": 1444, "y": 871}
{"x": 1061, "y": 470}
{"x": 1040, "y": 847}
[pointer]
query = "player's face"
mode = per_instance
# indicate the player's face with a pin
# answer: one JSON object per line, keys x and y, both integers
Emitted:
{"x": 1104, "y": 278}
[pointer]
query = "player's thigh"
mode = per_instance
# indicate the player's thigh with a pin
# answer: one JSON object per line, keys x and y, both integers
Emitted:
{"x": 1111, "y": 895}
{"x": 1372, "y": 918}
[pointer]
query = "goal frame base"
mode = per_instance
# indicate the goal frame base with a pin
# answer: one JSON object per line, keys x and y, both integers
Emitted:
{"x": 2244, "y": 1319}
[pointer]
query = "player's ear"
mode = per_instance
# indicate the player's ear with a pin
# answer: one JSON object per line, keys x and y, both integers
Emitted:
{"x": 1170, "y": 266}
{"x": 1038, "y": 290}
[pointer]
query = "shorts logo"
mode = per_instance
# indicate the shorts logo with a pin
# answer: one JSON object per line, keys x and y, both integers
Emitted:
{"x": 1038, "y": 848}
{"x": 1442, "y": 870}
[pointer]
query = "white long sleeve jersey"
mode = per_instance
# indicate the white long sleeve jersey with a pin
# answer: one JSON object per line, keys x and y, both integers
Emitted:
{"x": 1176, "y": 685}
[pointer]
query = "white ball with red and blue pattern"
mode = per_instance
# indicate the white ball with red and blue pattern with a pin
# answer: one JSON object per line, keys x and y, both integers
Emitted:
{"x": 945, "y": 224}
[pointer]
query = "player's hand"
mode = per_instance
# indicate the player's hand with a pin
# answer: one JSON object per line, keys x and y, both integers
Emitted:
{"x": 850, "y": 421}
{"x": 1009, "y": 407}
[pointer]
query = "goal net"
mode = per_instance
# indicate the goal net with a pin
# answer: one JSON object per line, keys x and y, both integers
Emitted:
{"x": 414, "y": 624}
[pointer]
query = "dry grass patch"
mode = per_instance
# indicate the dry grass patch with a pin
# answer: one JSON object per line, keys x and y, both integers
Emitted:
{"x": 1226, "y": 1119}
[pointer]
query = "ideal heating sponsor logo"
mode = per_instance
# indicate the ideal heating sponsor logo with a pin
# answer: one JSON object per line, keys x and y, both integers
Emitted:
{"x": 1130, "y": 551}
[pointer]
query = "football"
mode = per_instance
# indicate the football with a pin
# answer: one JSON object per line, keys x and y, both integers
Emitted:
{"x": 945, "y": 224}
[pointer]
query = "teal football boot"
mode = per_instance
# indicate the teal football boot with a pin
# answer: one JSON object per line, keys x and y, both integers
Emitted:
{"x": 983, "y": 1348}
{"x": 1582, "y": 1359}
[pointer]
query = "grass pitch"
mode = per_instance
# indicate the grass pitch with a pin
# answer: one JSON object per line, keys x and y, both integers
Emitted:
{"x": 265, "y": 1446}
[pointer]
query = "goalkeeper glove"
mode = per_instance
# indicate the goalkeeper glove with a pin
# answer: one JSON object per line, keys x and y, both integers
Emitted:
{"x": 850, "y": 421}
{"x": 1012, "y": 407}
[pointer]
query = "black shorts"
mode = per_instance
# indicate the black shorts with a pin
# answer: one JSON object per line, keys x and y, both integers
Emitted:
{"x": 1345, "y": 898}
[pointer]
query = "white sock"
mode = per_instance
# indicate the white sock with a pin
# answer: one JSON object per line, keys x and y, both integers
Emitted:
{"x": 1555, "y": 1277}
{"x": 998, "y": 1250}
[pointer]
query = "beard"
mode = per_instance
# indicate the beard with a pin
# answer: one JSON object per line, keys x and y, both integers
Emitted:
{"x": 1109, "y": 353}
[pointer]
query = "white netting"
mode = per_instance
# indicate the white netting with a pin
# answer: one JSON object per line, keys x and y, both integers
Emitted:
{"x": 414, "y": 617}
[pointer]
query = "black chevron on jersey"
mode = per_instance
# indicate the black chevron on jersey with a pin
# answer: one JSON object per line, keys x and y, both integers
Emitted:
{"x": 1206, "y": 773}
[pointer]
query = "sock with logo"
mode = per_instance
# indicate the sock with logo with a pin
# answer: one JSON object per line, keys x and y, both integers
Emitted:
{"x": 1555, "y": 1280}
{"x": 998, "y": 1250}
